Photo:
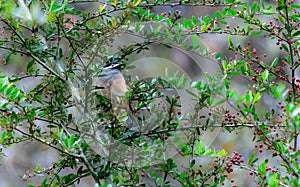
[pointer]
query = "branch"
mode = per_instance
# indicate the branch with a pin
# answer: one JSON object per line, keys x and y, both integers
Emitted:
{"x": 90, "y": 168}
{"x": 29, "y": 51}
{"x": 47, "y": 143}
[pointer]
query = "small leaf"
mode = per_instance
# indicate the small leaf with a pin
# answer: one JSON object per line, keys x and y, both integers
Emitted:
{"x": 262, "y": 168}
{"x": 278, "y": 90}
{"x": 29, "y": 66}
{"x": 234, "y": 73}
{"x": 255, "y": 7}
{"x": 256, "y": 97}
{"x": 249, "y": 97}
{"x": 254, "y": 33}
{"x": 114, "y": 3}
{"x": 195, "y": 41}
{"x": 243, "y": 70}
{"x": 252, "y": 158}
{"x": 216, "y": 14}
{"x": 274, "y": 63}
{"x": 265, "y": 75}
{"x": 218, "y": 55}
{"x": 224, "y": 65}
{"x": 220, "y": 102}
{"x": 192, "y": 93}
{"x": 102, "y": 8}
{"x": 268, "y": 12}
{"x": 14, "y": 93}
{"x": 9, "y": 89}
{"x": 54, "y": 7}
{"x": 230, "y": 43}
{"x": 137, "y": 2}
{"x": 273, "y": 181}
{"x": 156, "y": 31}
{"x": 296, "y": 33}
{"x": 194, "y": 20}
{"x": 206, "y": 19}
{"x": 192, "y": 163}
{"x": 285, "y": 47}
{"x": 37, "y": 168}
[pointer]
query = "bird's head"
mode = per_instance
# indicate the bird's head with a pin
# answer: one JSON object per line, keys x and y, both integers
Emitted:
{"x": 113, "y": 65}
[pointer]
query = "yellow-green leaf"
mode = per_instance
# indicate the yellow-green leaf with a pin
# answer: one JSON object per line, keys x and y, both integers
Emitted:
{"x": 102, "y": 8}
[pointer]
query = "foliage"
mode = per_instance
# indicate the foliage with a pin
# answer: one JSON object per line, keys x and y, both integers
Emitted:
{"x": 63, "y": 48}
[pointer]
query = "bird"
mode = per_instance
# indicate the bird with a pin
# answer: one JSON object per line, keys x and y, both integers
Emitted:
{"x": 114, "y": 88}
{"x": 113, "y": 82}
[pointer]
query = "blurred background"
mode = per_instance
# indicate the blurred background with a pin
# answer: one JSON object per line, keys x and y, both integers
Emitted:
{"x": 23, "y": 158}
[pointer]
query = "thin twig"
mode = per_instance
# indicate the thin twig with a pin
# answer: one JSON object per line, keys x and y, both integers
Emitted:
{"x": 29, "y": 52}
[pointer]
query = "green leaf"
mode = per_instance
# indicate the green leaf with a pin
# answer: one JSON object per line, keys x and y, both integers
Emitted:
{"x": 194, "y": 20}
{"x": 224, "y": 65}
{"x": 192, "y": 163}
{"x": 262, "y": 168}
{"x": 233, "y": 94}
{"x": 9, "y": 89}
{"x": 296, "y": 154}
{"x": 192, "y": 93}
{"x": 195, "y": 41}
{"x": 157, "y": 30}
{"x": 3, "y": 82}
{"x": 278, "y": 90}
{"x": 285, "y": 47}
{"x": 206, "y": 19}
{"x": 256, "y": 97}
{"x": 37, "y": 168}
{"x": 249, "y": 97}
{"x": 218, "y": 55}
{"x": 268, "y": 12}
{"x": 187, "y": 23}
{"x": 255, "y": 7}
{"x": 220, "y": 102}
{"x": 296, "y": 33}
{"x": 230, "y": 43}
{"x": 102, "y": 8}
{"x": 29, "y": 66}
{"x": 233, "y": 73}
{"x": 243, "y": 70}
{"x": 274, "y": 63}
{"x": 137, "y": 2}
{"x": 216, "y": 14}
{"x": 14, "y": 94}
{"x": 252, "y": 158}
{"x": 54, "y": 7}
{"x": 295, "y": 6}
{"x": 254, "y": 33}
{"x": 44, "y": 182}
{"x": 273, "y": 182}
{"x": 265, "y": 75}
{"x": 8, "y": 57}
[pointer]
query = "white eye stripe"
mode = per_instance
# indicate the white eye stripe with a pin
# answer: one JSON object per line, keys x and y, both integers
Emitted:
{"x": 112, "y": 66}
